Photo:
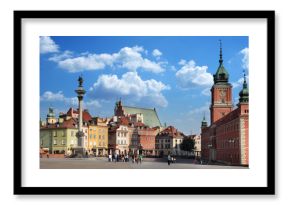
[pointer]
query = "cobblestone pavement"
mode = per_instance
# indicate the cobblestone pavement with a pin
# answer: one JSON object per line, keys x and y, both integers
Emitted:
{"x": 102, "y": 163}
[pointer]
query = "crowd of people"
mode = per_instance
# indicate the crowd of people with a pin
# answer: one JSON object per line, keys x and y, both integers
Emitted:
{"x": 135, "y": 158}
{"x": 170, "y": 159}
{"x": 125, "y": 158}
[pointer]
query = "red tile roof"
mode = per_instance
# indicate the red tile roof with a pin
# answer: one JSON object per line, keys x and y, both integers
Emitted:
{"x": 124, "y": 121}
{"x": 171, "y": 131}
{"x": 71, "y": 123}
{"x": 138, "y": 124}
{"x": 86, "y": 115}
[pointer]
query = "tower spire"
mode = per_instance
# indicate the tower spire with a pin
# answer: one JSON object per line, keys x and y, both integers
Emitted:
{"x": 203, "y": 122}
{"x": 244, "y": 76}
{"x": 222, "y": 75}
{"x": 221, "y": 52}
{"x": 244, "y": 93}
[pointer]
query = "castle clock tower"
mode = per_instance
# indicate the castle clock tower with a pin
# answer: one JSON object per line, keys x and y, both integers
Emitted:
{"x": 221, "y": 92}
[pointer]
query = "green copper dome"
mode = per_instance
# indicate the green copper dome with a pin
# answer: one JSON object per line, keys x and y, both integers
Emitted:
{"x": 50, "y": 112}
{"x": 203, "y": 122}
{"x": 221, "y": 75}
{"x": 244, "y": 93}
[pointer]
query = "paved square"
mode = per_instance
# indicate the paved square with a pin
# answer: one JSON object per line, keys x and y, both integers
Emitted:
{"x": 148, "y": 163}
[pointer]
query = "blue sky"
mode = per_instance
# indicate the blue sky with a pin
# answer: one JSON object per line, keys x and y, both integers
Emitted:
{"x": 172, "y": 74}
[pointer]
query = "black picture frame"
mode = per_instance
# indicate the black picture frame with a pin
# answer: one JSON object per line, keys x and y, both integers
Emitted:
{"x": 267, "y": 190}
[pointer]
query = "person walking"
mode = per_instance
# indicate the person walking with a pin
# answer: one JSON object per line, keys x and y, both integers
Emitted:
{"x": 140, "y": 158}
{"x": 168, "y": 159}
{"x": 116, "y": 157}
{"x": 137, "y": 158}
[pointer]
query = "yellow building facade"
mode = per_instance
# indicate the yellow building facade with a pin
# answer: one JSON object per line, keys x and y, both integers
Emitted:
{"x": 98, "y": 138}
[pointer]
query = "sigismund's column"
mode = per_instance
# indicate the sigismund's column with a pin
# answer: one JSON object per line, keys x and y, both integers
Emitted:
{"x": 80, "y": 149}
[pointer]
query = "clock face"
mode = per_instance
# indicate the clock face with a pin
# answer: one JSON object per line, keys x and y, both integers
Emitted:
{"x": 222, "y": 96}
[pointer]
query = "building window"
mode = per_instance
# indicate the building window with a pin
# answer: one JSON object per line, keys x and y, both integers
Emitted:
{"x": 54, "y": 142}
{"x": 72, "y": 133}
{"x": 100, "y": 144}
{"x": 103, "y": 143}
{"x": 41, "y": 141}
{"x": 72, "y": 142}
{"x": 90, "y": 136}
{"x": 99, "y": 136}
{"x": 62, "y": 142}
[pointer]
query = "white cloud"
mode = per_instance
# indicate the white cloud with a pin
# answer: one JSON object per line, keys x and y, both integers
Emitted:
{"x": 47, "y": 45}
{"x": 156, "y": 53}
{"x": 190, "y": 75}
{"x": 182, "y": 62}
{"x": 62, "y": 56}
{"x": 130, "y": 86}
{"x": 206, "y": 92}
{"x": 173, "y": 68}
{"x": 198, "y": 113}
{"x": 128, "y": 57}
{"x": 201, "y": 110}
{"x": 79, "y": 64}
{"x": 245, "y": 59}
{"x": 92, "y": 103}
{"x": 239, "y": 82}
{"x": 49, "y": 96}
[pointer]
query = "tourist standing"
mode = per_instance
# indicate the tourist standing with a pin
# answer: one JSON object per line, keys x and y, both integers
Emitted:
{"x": 116, "y": 157}
{"x": 169, "y": 159}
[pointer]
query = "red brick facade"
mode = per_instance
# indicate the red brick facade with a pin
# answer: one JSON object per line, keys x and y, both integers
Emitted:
{"x": 227, "y": 138}
{"x": 221, "y": 103}
{"x": 147, "y": 140}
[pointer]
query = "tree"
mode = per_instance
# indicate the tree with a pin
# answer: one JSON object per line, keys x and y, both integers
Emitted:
{"x": 187, "y": 145}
